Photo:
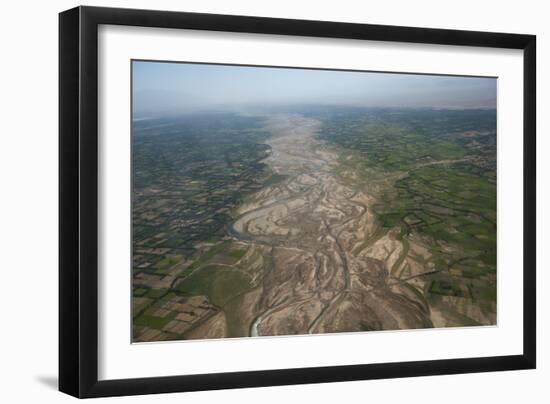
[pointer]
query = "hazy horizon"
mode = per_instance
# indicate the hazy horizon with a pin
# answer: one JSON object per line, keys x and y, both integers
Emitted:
{"x": 161, "y": 88}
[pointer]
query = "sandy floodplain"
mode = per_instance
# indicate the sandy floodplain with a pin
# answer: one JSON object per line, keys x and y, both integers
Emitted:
{"x": 330, "y": 269}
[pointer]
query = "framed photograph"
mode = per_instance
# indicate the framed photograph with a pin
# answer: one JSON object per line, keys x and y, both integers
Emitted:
{"x": 251, "y": 201}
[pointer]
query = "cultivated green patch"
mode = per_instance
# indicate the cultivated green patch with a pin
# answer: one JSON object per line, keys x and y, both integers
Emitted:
{"x": 433, "y": 174}
{"x": 219, "y": 283}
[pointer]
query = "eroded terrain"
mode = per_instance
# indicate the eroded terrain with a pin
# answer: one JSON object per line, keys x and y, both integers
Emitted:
{"x": 324, "y": 275}
{"x": 309, "y": 253}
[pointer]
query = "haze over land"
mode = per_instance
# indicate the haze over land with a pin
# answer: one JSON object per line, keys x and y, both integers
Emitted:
{"x": 305, "y": 214}
{"x": 172, "y": 88}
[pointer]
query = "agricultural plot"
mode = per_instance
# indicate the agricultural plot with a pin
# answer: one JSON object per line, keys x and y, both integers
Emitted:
{"x": 327, "y": 220}
{"x": 189, "y": 174}
{"x": 434, "y": 177}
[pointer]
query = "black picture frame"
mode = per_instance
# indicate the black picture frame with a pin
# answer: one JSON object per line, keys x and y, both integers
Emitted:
{"x": 78, "y": 201}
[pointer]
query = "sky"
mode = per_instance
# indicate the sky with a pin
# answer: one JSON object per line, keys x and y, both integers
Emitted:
{"x": 167, "y": 88}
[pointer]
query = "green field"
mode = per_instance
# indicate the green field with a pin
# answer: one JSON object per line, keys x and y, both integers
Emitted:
{"x": 433, "y": 174}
